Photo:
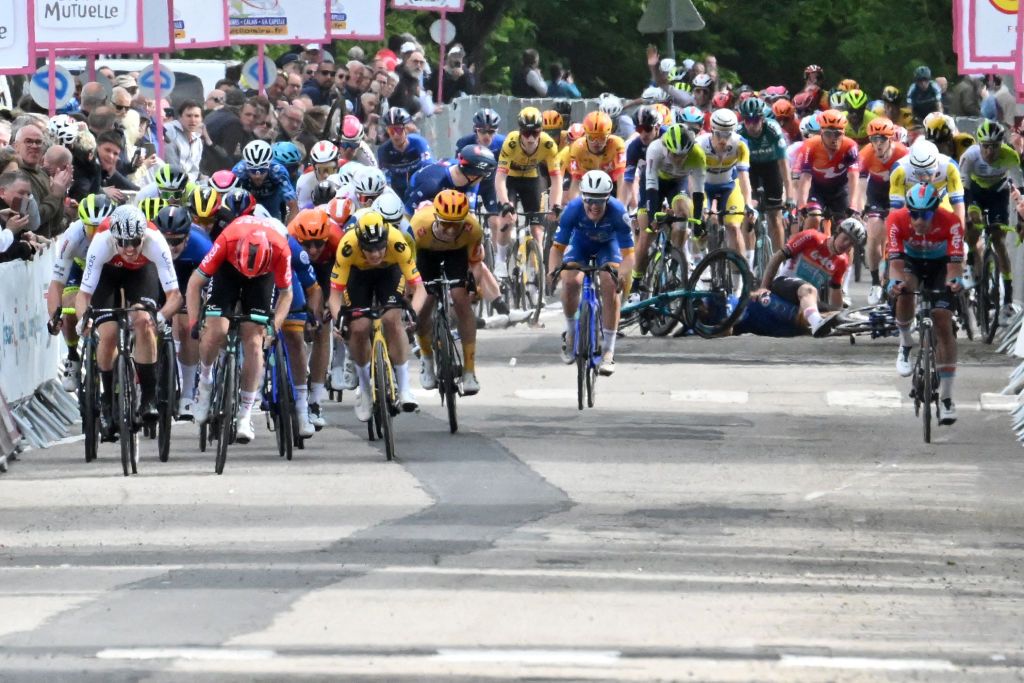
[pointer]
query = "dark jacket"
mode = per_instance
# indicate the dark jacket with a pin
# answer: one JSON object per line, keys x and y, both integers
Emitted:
{"x": 405, "y": 95}
{"x": 51, "y": 207}
{"x": 320, "y": 96}
{"x": 228, "y": 136}
{"x": 453, "y": 87}
{"x": 90, "y": 178}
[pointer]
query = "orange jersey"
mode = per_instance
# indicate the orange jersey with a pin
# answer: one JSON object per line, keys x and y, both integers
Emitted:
{"x": 877, "y": 171}
{"x": 829, "y": 171}
{"x": 612, "y": 160}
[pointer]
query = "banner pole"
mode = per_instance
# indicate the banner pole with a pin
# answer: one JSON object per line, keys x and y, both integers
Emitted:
{"x": 90, "y": 65}
{"x": 52, "y": 79}
{"x": 260, "y": 57}
{"x": 158, "y": 96}
{"x": 440, "y": 66}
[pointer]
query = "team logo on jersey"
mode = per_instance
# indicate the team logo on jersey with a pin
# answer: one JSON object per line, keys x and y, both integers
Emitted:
{"x": 346, "y": 250}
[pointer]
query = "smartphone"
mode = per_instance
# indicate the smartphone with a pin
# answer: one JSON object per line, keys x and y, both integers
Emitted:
{"x": 148, "y": 148}
{"x": 137, "y": 157}
{"x": 18, "y": 205}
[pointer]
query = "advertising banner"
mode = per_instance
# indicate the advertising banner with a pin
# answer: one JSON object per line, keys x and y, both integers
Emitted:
{"x": 201, "y": 23}
{"x": 357, "y": 19}
{"x": 28, "y": 354}
{"x": 985, "y": 35}
{"x": 17, "y": 39}
{"x": 278, "y": 21}
{"x": 92, "y": 25}
{"x": 431, "y": 5}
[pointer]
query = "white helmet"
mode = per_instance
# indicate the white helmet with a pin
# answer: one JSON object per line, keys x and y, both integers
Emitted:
{"x": 855, "y": 229}
{"x": 128, "y": 223}
{"x": 389, "y": 205}
{"x": 63, "y": 129}
{"x": 610, "y": 104}
{"x": 654, "y": 94}
{"x": 924, "y": 159}
{"x": 371, "y": 182}
{"x": 257, "y": 154}
{"x": 723, "y": 120}
{"x": 323, "y": 152}
{"x": 596, "y": 184}
{"x": 348, "y": 173}
{"x": 702, "y": 81}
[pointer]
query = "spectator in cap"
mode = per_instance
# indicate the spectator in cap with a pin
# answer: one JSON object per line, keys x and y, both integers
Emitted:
{"x": 312, "y": 54}
{"x": 214, "y": 101}
{"x": 458, "y": 78}
{"x": 128, "y": 83}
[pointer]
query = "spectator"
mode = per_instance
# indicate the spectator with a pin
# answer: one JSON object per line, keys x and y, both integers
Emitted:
{"x": 562, "y": 84}
{"x": 370, "y": 105}
{"x": 102, "y": 175}
{"x": 294, "y": 87}
{"x": 944, "y": 94}
{"x": 5, "y": 133}
{"x": 16, "y": 238}
{"x": 230, "y": 128}
{"x": 965, "y": 97}
{"x": 214, "y": 101}
{"x": 355, "y": 52}
{"x": 185, "y": 139}
{"x": 94, "y": 96}
{"x": 56, "y": 159}
{"x": 9, "y": 164}
{"x": 313, "y": 54}
{"x": 107, "y": 73}
{"x": 409, "y": 94}
{"x": 290, "y": 124}
{"x": 275, "y": 91}
{"x": 318, "y": 88}
{"x": 527, "y": 81}
{"x": 128, "y": 83}
{"x": 458, "y": 79}
{"x": 49, "y": 192}
{"x": 1006, "y": 101}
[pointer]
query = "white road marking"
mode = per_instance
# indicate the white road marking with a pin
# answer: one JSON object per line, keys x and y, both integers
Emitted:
{"x": 867, "y": 663}
{"x": 999, "y": 402}
{"x": 192, "y": 653}
{"x": 562, "y": 657}
{"x": 710, "y": 396}
{"x": 871, "y": 398}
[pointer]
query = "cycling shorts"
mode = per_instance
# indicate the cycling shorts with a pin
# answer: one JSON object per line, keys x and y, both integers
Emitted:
{"x": 930, "y": 274}
{"x": 836, "y": 201}
{"x": 667, "y": 190}
{"x": 877, "y": 200}
{"x": 74, "y": 278}
{"x": 992, "y": 202}
{"x": 488, "y": 195}
{"x": 141, "y": 286}
{"x": 581, "y": 249}
{"x": 456, "y": 265}
{"x": 769, "y": 177}
{"x": 379, "y": 286}
{"x": 730, "y": 199}
{"x": 776, "y": 318}
{"x": 230, "y": 289}
{"x": 527, "y": 190}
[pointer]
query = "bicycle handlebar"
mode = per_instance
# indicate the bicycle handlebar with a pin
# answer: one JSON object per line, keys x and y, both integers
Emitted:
{"x": 586, "y": 269}
{"x": 373, "y": 312}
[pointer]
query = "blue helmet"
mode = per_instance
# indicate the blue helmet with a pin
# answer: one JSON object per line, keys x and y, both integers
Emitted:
{"x": 173, "y": 221}
{"x": 923, "y": 197}
{"x": 287, "y": 154}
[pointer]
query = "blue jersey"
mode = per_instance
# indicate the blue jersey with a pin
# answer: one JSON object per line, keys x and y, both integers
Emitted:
{"x": 429, "y": 181}
{"x": 495, "y": 145}
{"x": 304, "y": 275}
{"x": 636, "y": 157}
{"x": 399, "y": 166}
{"x": 198, "y": 245}
{"x": 776, "y": 318}
{"x": 614, "y": 225}
{"x": 274, "y": 192}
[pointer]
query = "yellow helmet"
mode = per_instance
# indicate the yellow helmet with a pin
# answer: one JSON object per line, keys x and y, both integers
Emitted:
{"x": 451, "y": 205}
{"x": 372, "y": 231}
{"x": 530, "y": 118}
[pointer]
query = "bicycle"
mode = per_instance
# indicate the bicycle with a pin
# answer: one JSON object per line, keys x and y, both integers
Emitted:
{"x": 524, "y": 284}
{"x": 762, "y": 239}
{"x": 667, "y": 270}
{"x": 447, "y": 357}
{"x": 877, "y": 321}
{"x": 89, "y": 390}
{"x": 925, "y": 383}
{"x": 988, "y": 290}
{"x": 587, "y": 342}
{"x": 168, "y": 391}
{"x": 279, "y": 399}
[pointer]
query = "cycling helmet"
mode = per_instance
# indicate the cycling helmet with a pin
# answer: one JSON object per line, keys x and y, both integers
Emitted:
{"x": 924, "y": 159}
{"x": 151, "y": 206}
{"x": 370, "y": 183}
{"x": 254, "y": 252}
{"x": 923, "y": 197}
{"x": 396, "y": 116}
{"x": 372, "y": 231}
{"x": 351, "y": 130}
{"x": 922, "y": 73}
{"x": 324, "y": 192}
{"x": 678, "y": 139}
{"x": 127, "y": 223}
{"x": 830, "y": 119}
{"x": 654, "y": 94}
{"x": 257, "y": 154}
{"x": 202, "y": 203}
{"x": 722, "y": 100}
{"x": 702, "y": 81}
{"x": 575, "y": 132}
{"x": 774, "y": 92}
{"x": 63, "y": 129}
{"x": 881, "y": 126}
{"x": 856, "y": 99}
{"x": 224, "y": 181}
{"x": 813, "y": 69}
{"x": 990, "y": 132}
{"x": 340, "y": 209}
{"x": 173, "y": 221}
{"x": 783, "y": 109}
{"x": 286, "y": 154}
{"x": 552, "y": 120}
{"x": 664, "y": 112}
{"x": 486, "y": 118}
{"x": 323, "y": 152}
{"x": 837, "y": 100}
{"x": 645, "y": 116}
{"x": 610, "y": 104}
{"x": 530, "y": 118}
{"x": 239, "y": 203}
{"x": 94, "y": 208}
{"x": 677, "y": 73}
{"x": 692, "y": 116}
{"x": 389, "y": 205}
{"x": 451, "y": 205}
{"x": 597, "y": 124}
{"x": 891, "y": 94}
{"x": 809, "y": 126}
{"x": 477, "y": 160}
{"x": 855, "y": 229}
{"x": 171, "y": 178}
{"x": 596, "y": 185}
{"x": 309, "y": 225}
{"x": 683, "y": 86}
{"x": 723, "y": 121}
{"x": 347, "y": 173}
{"x": 752, "y": 108}
{"x": 938, "y": 127}
{"x": 848, "y": 84}
{"x": 804, "y": 101}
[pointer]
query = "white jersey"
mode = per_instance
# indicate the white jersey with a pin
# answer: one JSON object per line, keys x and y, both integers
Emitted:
{"x": 154, "y": 250}
{"x": 304, "y": 188}
{"x": 74, "y": 244}
{"x": 363, "y": 154}
{"x": 664, "y": 166}
{"x": 151, "y": 191}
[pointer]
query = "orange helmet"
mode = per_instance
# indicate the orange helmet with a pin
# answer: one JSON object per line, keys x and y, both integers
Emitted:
{"x": 848, "y": 84}
{"x": 597, "y": 124}
{"x": 553, "y": 120}
{"x": 309, "y": 225}
{"x": 881, "y": 126}
{"x": 340, "y": 209}
{"x": 832, "y": 119}
{"x": 576, "y": 131}
{"x": 664, "y": 112}
{"x": 451, "y": 205}
{"x": 783, "y": 109}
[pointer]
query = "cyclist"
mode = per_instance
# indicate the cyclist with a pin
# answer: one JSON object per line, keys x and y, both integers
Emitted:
{"x": 622, "y": 124}
{"x": 474, "y": 164}
{"x": 830, "y": 171}
{"x": 266, "y": 179}
{"x": 987, "y": 167}
{"x": 189, "y": 245}
{"x": 128, "y": 254}
{"x": 448, "y": 239}
{"x": 877, "y": 160}
{"x": 648, "y": 128}
{"x": 926, "y": 249}
{"x": 941, "y": 129}
{"x": 374, "y": 264}
{"x": 808, "y": 263}
{"x": 785, "y": 116}
{"x": 67, "y": 276}
{"x": 814, "y": 86}
{"x": 769, "y": 167}
{"x": 694, "y": 119}
{"x": 925, "y": 164}
{"x": 403, "y": 153}
{"x": 600, "y": 150}
{"x": 288, "y": 155}
{"x": 858, "y": 116}
{"x": 485, "y": 133}
{"x": 891, "y": 109}
{"x": 203, "y": 205}
{"x": 572, "y": 134}
{"x": 728, "y": 177}
{"x": 594, "y": 225}
{"x": 248, "y": 260}
{"x": 324, "y": 159}
{"x": 168, "y": 184}
{"x": 352, "y": 142}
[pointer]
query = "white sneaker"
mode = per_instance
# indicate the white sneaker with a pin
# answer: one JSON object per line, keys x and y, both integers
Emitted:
{"x": 903, "y": 365}
{"x": 428, "y": 379}
{"x": 306, "y": 427}
{"x": 470, "y": 384}
{"x": 364, "y": 406}
{"x": 408, "y": 401}
{"x": 316, "y": 417}
{"x": 245, "y": 432}
{"x": 201, "y": 407}
{"x": 185, "y": 408}
{"x": 634, "y": 297}
{"x": 336, "y": 377}
{"x": 1006, "y": 314}
{"x": 568, "y": 342}
{"x": 607, "y": 366}
{"x": 515, "y": 317}
{"x": 875, "y": 295}
{"x": 947, "y": 411}
{"x": 350, "y": 380}
{"x": 968, "y": 276}
{"x": 71, "y": 375}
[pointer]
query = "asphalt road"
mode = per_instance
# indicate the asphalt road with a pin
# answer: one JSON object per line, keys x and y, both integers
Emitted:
{"x": 737, "y": 509}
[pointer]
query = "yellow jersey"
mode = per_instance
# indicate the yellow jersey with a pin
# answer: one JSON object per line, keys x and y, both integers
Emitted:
{"x": 611, "y": 160}
{"x": 471, "y": 238}
{"x": 516, "y": 163}
{"x": 723, "y": 168}
{"x": 350, "y": 255}
{"x": 947, "y": 179}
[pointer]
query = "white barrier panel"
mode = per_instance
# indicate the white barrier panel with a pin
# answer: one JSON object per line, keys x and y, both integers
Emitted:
{"x": 28, "y": 354}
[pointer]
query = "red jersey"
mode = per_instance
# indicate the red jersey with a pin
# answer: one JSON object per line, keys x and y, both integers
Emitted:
{"x": 225, "y": 248}
{"x": 829, "y": 171}
{"x": 943, "y": 242}
{"x": 791, "y": 127}
{"x": 811, "y": 260}
{"x": 877, "y": 171}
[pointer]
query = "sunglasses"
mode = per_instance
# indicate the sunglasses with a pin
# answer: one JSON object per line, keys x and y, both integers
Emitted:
{"x": 349, "y": 145}
{"x": 396, "y": 129}
{"x": 376, "y": 249}
{"x": 314, "y": 244}
{"x": 124, "y": 243}
{"x": 310, "y": 72}
{"x": 753, "y": 119}
{"x": 486, "y": 131}
{"x": 122, "y": 107}
{"x": 327, "y": 73}
{"x": 529, "y": 133}
{"x": 170, "y": 196}
{"x": 176, "y": 241}
{"x": 919, "y": 215}
{"x": 593, "y": 201}
{"x": 644, "y": 129}
{"x": 597, "y": 138}
{"x": 831, "y": 133}
{"x": 721, "y": 135}
{"x": 259, "y": 171}
{"x": 990, "y": 145}
{"x": 878, "y": 138}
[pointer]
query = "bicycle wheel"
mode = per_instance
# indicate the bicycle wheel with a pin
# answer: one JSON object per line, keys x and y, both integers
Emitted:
{"x": 225, "y": 411}
{"x": 531, "y": 278}
{"x": 582, "y": 351}
{"x": 446, "y": 369}
{"x": 719, "y": 291}
{"x": 964, "y": 311}
{"x": 167, "y": 398}
{"x": 384, "y": 392}
{"x": 763, "y": 251}
{"x": 927, "y": 381}
{"x": 549, "y": 240}
{"x": 90, "y": 403}
{"x": 285, "y": 405}
{"x": 666, "y": 274}
{"x": 990, "y": 286}
{"x": 125, "y": 411}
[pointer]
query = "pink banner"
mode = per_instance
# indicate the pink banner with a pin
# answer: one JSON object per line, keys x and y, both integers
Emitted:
{"x": 1018, "y": 71}
{"x": 200, "y": 23}
{"x": 286, "y": 21}
{"x": 985, "y": 34}
{"x": 430, "y": 5}
{"x": 101, "y": 26}
{"x": 17, "y": 40}
{"x": 357, "y": 19}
